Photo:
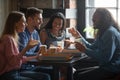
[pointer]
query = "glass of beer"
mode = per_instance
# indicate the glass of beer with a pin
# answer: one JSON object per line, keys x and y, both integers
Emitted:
{"x": 43, "y": 49}
{"x": 52, "y": 50}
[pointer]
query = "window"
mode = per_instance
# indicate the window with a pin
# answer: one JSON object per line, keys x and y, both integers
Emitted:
{"x": 112, "y": 5}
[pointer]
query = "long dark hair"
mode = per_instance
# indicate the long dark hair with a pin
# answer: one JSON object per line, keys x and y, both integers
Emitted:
{"x": 106, "y": 20}
{"x": 56, "y": 15}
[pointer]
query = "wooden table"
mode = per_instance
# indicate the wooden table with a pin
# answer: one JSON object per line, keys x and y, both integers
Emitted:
{"x": 57, "y": 64}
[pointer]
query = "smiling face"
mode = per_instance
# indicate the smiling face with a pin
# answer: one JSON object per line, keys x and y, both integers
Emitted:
{"x": 57, "y": 24}
{"x": 20, "y": 25}
{"x": 37, "y": 20}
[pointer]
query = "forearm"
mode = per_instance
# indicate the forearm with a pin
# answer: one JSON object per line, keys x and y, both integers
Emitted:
{"x": 24, "y": 50}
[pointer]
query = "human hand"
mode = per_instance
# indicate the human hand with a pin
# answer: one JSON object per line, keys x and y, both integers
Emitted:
{"x": 38, "y": 55}
{"x": 32, "y": 43}
{"x": 80, "y": 47}
{"x": 74, "y": 32}
{"x": 67, "y": 43}
{"x": 59, "y": 49}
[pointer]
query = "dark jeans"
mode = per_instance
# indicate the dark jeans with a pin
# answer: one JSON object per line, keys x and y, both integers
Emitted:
{"x": 84, "y": 63}
{"x": 25, "y": 75}
{"x": 93, "y": 73}
{"x": 43, "y": 69}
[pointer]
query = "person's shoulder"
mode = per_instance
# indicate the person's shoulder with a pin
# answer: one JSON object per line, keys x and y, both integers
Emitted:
{"x": 22, "y": 34}
{"x": 35, "y": 31}
{"x": 111, "y": 29}
{"x": 6, "y": 38}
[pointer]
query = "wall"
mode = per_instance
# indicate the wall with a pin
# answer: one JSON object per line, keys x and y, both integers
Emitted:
{"x": 69, "y": 6}
{"x": 6, "y": 6}
{"x": 36, "y": 3}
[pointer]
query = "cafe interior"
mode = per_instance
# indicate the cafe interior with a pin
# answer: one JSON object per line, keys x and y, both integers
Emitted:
{"x": 78, "y": 15}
